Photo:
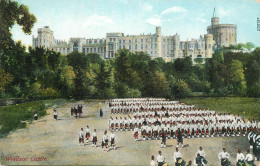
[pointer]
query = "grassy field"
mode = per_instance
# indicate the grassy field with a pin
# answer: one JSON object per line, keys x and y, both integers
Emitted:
{"x": 13, "y": 116}
{"x": 244, "y": 106}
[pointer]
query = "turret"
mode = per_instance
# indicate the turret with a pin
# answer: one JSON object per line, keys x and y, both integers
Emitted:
{"x": 209, "y": 42}
{"x": 158, "y": 36}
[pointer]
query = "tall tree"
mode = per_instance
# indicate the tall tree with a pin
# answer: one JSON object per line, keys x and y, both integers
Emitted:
{"x": 11, "y": 13}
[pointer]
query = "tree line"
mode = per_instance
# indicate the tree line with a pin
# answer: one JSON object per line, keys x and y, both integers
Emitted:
{"x": 43, "y": 74}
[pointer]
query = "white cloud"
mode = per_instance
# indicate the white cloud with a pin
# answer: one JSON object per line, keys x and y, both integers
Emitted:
{"x": 156, "y": 20}
{"x": 174, "y": 9}
{"x": 222, "y": 12}
{"x": 199, "y": 19}
{"x": 97, "y": 21}
{"x": 147, "y": 7}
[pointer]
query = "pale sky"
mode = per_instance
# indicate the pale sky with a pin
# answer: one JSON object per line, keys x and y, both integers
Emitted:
{"x": 94, "y": 18}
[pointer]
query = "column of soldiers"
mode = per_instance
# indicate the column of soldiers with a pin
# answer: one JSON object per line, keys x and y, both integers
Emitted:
{"x": 157, "y": 119}
{"x": 104, "y": 142}
{"x": 192, "y": 123}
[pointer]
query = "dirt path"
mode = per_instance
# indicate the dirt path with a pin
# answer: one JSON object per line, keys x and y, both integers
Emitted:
{"x": 58, "y": 142}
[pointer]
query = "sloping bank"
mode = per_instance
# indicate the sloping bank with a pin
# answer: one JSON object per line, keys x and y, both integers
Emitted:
{"x": 15, "y": 116}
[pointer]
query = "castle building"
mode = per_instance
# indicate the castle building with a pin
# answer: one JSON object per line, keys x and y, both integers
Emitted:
{"x": 156, "y": 45}
{"x": 223, "y": 34}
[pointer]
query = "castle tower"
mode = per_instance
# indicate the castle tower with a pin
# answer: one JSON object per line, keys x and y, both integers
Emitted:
{"x": 158, "y": 36}
{"x": 208, "y": 45}
{"x": 176, "y": 45}
{"x": 44, "y": 39}
{"x": 214, "y": 19}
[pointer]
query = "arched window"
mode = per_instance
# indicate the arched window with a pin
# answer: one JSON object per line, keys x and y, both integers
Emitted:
{"x": 75, "y": 47}
{"x": 199, "y": 56}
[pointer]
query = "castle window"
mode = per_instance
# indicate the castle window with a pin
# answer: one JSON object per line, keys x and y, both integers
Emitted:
{"x": 129, "y": 41}
{"x": 142, "y": 46}
{"x": 87, "y": 50}
{"x": 146, "y": 46}
{"x": 151, "y": 52}
{"x": 75, "y": 47}
{"x": 94, "y": 49}
{"x": 136, "y": 40}
{"x": 90, "y": 49}
{"x": 123, "y": 41}
{"x": 119, "y": 41}
{"x": 155, "y": 39}
{"x": 136, "y": 46}
{"x": 129, "y": 46}
{"x": 151, "y": 45}
{"x": 155, "y": 45}
{"x": 141, "y": 40}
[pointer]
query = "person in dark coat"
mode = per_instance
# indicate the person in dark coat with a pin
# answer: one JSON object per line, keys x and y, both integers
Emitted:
{"x": 100, "y": 112}
{"x": 179, "y": 138}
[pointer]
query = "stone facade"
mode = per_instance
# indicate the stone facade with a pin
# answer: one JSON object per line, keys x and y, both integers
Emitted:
{"x": 223, "y": 34}
{"x": 156, "y": 45}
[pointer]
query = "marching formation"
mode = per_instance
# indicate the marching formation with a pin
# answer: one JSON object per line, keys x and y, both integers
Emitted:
{"x": 159, "y": 119}
{"x": 104, "y": 142}
{"x": 151, "y": 118}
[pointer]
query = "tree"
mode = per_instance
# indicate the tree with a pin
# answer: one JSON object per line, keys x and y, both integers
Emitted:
{"x": 103, "y": 81}
{"x": 237, "y": 77}
{"x": 67, "y": 77}
{"x": 181, "y": 89}
{"x": 5, "y": 79}
{"x": 11, "y": 13}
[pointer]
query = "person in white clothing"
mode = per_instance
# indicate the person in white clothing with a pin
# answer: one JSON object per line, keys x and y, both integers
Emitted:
{"x": 153, "y": 163}
{"x": 224, "y": 157}
{"x": 105, "y": 140}
{"x": 94, "y": 138}
{"x": 81, "y": 137}
{"x": 113, "y": 140}
{"x": 87, "y": 134}
{"x": 35, "y": 115}
{"x": 55, "y": 113}
{"x": 160, "y": 159}
{"x": 177, "y": 158}
{"x": 240, "y": 158}
{"x": 201, "y": 152}
{"x": 249, "y": 158}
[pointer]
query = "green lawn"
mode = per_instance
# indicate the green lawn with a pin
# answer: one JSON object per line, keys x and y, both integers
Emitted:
{"x": 244, "y": 106}
{"x": 11, "y": 116}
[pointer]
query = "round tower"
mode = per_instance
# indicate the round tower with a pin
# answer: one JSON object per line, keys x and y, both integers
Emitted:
{"x": 214, "y": 21}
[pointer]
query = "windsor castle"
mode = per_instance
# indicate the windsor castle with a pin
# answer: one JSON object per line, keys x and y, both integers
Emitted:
{"x": 156, "y": 45}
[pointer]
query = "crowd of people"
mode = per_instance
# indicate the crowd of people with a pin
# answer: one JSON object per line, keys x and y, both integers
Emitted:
{"x": 161, "y": 119}
{"x": 151, "y": 118}
{"x": 200, "y": 159}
